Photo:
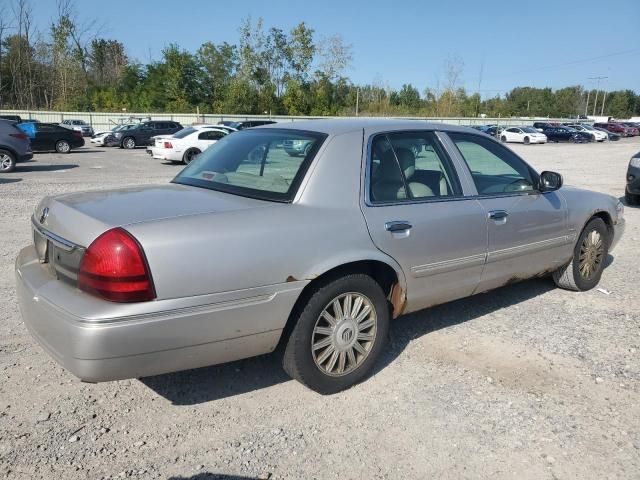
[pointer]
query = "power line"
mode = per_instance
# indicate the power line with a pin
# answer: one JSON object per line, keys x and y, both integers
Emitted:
{"x": 574, "y": 62}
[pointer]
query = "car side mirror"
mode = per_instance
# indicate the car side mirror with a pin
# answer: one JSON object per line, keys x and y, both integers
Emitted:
{"x": 549, "y": 181}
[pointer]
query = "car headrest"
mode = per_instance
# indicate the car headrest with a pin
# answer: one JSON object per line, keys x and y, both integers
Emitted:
{"x": 407, "y": 161}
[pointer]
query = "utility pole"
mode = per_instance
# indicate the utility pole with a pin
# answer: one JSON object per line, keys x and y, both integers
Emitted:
{"x": 595, "y": 104}
{"x": 357, "y": 100}
{"x": 603, "y": 99}
{"x": 586, "y": 107}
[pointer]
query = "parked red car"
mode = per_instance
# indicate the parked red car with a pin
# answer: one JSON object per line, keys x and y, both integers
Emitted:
{"x": 615, "y": 128}
{"x": 635, "y": 131}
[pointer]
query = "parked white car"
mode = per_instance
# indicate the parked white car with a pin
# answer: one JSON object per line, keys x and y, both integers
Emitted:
{"x": 523, "y": 135}
{"x": 598, "y": 136}
{"x": 186, "y": 144}
{"x": 99, "y": 137}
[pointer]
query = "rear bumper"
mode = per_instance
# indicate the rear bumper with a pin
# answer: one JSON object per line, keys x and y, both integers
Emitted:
{"x": 25, "y": 157}
{"x": 166, "y": 154}
{"x": 144, "y": 344}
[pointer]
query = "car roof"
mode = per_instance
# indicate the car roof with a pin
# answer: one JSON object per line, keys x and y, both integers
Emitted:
{"x": 340, "y": 126}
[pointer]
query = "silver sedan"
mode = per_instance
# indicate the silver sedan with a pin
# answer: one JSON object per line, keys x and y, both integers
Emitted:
{"x": 249, "y": 247}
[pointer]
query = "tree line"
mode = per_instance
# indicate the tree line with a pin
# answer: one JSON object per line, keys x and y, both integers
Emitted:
{"x": 71, "y": 66}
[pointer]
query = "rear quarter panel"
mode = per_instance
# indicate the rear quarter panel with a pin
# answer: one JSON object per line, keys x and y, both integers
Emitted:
{"x": 282, "y": 243}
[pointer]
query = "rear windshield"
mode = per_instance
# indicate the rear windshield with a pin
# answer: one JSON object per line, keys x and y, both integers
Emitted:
{"x": 184, "y": 132}
{"x": 254, "y": 163}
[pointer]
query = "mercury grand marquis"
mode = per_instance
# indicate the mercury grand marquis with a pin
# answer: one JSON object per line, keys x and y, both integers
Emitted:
{"x": 249, "y": 247}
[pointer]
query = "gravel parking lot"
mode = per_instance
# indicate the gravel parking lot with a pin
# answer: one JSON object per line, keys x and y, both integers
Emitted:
{"x": 528, "y": 381}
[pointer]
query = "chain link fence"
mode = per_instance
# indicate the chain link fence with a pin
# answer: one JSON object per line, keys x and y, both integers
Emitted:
{"x": 106, "y": 121}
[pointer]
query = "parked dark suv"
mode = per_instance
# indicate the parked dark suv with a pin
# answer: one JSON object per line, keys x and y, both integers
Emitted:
{"x": 140, "y": 134}
{"x": 14, "y": 146}
{"x": 246, "y": 123}
{"x": 632, "y": 191}
{"x": 542, "y": 126}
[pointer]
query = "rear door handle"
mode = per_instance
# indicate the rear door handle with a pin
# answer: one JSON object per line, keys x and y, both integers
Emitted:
{"x": 397, "y": 226}
{"x": 498, "y": 214}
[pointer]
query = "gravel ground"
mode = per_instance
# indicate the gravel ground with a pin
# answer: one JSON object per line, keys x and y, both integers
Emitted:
{"x": 528, "y": 381}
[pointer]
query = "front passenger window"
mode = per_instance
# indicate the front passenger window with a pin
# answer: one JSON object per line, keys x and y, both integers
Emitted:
{"x": 495, "y": 169}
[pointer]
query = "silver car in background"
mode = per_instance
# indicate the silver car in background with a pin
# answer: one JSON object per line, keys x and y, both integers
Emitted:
{"x": 249, "y": 247}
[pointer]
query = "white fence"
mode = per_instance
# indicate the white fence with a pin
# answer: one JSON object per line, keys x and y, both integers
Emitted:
{"x": 106, "y": 121}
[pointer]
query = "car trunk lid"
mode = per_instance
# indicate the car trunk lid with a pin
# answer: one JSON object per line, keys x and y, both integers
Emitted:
{"x": 80, "y": 217}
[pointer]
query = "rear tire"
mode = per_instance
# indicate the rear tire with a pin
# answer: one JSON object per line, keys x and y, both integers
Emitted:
{"x": 584, "y": 270}
{"x": 62, "y": 146}
{"x": 190, "y": 155}
{"x": 7, "y": 162}
{"x": 503, "y": 139}
{"x": 526, "y": 140}
{"x": 347, "y": 346}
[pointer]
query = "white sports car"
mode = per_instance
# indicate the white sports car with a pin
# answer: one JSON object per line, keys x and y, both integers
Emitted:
{"x": 523, "y": 135}
{"x": 186, "y": 144}
{"x": 597, "y": 135}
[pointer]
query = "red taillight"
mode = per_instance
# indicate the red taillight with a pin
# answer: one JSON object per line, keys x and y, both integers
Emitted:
{"x": 114, "y": 267}
{"x": 168, "y": 145}
{"x": 20, "y": 136}
{"x": 77, "y": 133}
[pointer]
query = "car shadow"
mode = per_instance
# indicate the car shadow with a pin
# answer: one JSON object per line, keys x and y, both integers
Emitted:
{"x": 626, "y": 204}
{"x": 86, "y": 150}
{"x": 38, "y": 167}
{"x": 9, "y": 180}
{"x": 221, "y": 381}
{"x": 213, "y": 476}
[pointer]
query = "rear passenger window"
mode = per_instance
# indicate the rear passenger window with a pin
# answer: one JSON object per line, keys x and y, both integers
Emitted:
{"x": 409, "y": 166}
{"x": 210, "y": 135}
{"x": 495, "y": 169}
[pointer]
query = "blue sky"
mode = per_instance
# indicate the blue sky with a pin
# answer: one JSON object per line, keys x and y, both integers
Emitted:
{"x": 516, "y": 43}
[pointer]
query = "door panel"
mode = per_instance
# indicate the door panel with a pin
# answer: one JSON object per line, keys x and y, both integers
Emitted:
{"x": 527, "y": 230}
{"x": 442, "y": 254}
{"x": 531, "y": 239}
{"x": 416, "y": 213}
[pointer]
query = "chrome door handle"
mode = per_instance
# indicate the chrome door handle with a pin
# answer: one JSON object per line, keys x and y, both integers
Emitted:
{"x": 397, "y": 226}
{"x": 498, "y": 214}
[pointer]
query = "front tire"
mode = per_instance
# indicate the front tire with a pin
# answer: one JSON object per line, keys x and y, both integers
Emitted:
{"x": 339, "y": 334}
{"x": 503, "y": 139}
{"x": 630, "y": 198}
{"x": 7, "y": 162}
{"x": 526, "y": 140}
{"x": 62, "y": 146}
{"x": 584, "y": 270}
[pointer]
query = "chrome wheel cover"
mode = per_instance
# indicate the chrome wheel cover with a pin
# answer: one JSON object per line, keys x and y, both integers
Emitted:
{"x": 5, "y": 162}
{"x": 591, "y": 253}
{"x": 344, "y": 334}
{"x": 63, "y": 147}
{"x": 130, "y": 143}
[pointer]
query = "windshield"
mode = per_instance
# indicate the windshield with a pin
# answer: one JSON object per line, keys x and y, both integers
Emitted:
{"x": 529, "y": 130}
{"x": 587, "y": 127}
{"x": 268, "y": 163}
